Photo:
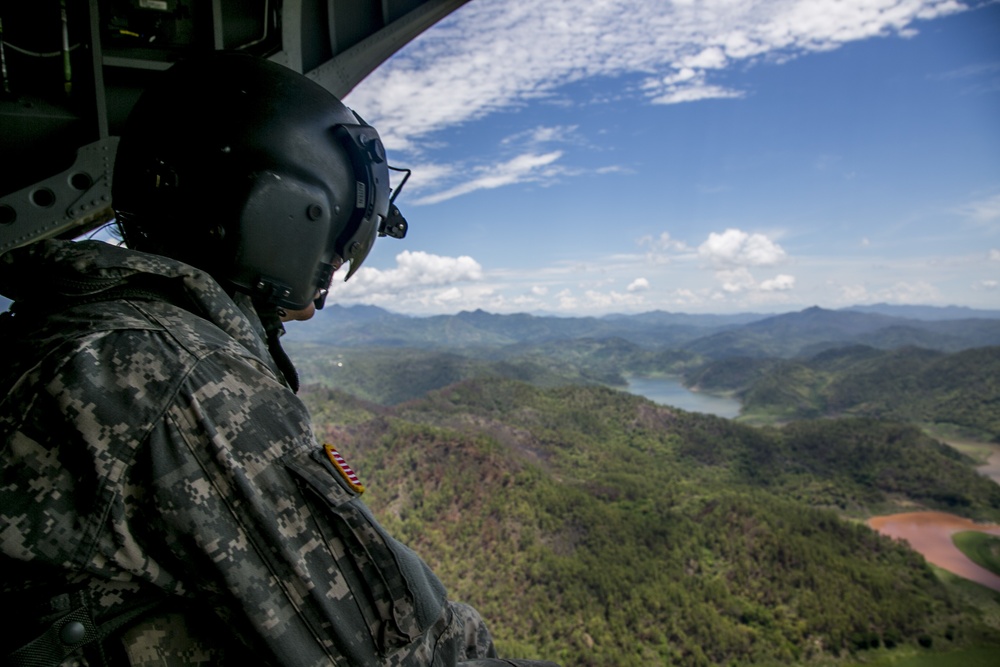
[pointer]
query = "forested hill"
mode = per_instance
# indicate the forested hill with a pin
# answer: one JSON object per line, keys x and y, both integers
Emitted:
{"x": 907, "y": 384}
{"x": 712, "y": 336}
{"x": 596, "y": 528}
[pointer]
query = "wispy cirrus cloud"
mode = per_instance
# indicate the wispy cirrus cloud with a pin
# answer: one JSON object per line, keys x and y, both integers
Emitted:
{"x": 523, "y": 168}
{"x": 495, "y": 54}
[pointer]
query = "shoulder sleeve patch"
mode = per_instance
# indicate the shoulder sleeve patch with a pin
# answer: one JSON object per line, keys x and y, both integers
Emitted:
{"x": 344, "y": 469}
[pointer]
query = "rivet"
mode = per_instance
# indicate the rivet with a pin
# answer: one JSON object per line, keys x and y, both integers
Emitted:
{"x": 72, "y": 633}
{"x": 314, "y": 211}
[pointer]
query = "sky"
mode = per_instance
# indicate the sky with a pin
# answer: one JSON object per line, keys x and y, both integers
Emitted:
{"x": 585, "y": 157}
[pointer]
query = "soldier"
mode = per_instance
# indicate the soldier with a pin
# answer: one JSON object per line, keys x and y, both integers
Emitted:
{"x": 162, "y": 498}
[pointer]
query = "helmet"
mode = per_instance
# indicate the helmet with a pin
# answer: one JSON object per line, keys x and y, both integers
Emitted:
{"x": 253, "y": 173}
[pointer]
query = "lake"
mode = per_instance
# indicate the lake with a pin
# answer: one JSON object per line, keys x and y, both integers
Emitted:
{"x": 670, "y": 391}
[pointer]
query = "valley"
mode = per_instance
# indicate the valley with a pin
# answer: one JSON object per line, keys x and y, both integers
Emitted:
{"x": 595, "y": 527}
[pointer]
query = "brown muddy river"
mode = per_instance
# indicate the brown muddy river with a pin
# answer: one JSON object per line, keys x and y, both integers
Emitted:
{"x": 929, "y": 533}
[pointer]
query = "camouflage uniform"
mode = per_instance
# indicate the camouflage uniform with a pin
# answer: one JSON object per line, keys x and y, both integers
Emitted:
{"x": 161, "y": 490}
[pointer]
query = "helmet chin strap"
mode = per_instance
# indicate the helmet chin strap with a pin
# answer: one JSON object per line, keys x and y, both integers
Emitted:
{"x": 269, "y": 317}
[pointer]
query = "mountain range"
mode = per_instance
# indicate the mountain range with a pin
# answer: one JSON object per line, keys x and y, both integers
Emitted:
{"x": 714, "y": 336}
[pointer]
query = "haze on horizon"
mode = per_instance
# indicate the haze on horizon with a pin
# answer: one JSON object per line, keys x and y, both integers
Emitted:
{"x": 582, "y": 158}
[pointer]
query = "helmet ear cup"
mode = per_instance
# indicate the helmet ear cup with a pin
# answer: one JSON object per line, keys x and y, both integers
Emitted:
{"x": 281, "y": 247}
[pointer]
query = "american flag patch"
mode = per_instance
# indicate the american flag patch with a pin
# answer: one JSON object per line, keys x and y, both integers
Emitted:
{"x": 345, "y": 470}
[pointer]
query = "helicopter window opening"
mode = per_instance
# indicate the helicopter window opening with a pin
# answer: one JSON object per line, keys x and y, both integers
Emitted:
{"x": 7, "y": 215}
{"x": 43, "y": 197}
{"x": 81, "y": 181}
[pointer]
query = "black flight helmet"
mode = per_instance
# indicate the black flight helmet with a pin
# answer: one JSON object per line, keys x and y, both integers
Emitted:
{"x": 253, "y": 173}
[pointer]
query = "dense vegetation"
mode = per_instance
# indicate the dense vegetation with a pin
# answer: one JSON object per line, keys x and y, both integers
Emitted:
{"x": 908, "y": 384}
{"x": 595, "y": 528}
{"x": 394, "y": 375}
{"x": 982, "y": 549}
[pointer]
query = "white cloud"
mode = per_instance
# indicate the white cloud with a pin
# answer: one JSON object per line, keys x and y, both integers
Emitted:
{"x": 663, "y": 248}
{"x": 736, "y": 280}
{"x": 496, "y": 54}
{"x": 567, "y": 301}
{"x": 736, "y": 248}
{"x": 638, "y": 285}
{"x": 426, "y": 176}
{"x": 450, "y": 295}
{"x": 994, "y": 255}
{"x": 414, "y": 271}
{"x": 594, "y": 299}
{"x": 544, "y": 135}
{"x": 901, "y": 292}
{"x": 692, "y": 93}
{"x": 780, "y": 283}
{"x": 527, "y": 167}
{"x": 988, "y": 284}
{"x": 983, "y": 211}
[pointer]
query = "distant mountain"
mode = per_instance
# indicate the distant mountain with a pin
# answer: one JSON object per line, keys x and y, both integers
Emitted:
{"x": 788, "y": 335}
{"x": 371, "y": 326}
{"x": 664, "y": 318}
{"x": 928, "y": 312}
{"x": 814, "y": 329}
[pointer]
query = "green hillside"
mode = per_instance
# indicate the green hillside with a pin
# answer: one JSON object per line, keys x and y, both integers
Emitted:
{"x": 908, "y": 384}
{"x": 393, "y": 375}
{"x": 596, "y": 528}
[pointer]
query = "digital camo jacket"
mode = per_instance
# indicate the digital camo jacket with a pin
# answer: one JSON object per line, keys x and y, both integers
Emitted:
{"x": 159, "y": 475}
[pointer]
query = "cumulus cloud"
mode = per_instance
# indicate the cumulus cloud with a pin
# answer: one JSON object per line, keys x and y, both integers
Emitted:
{"x": 638, "y": 285}
{"x": 736, "y": 248}
{"x": 662, "y": 243}
{"x": 780, "y": 283}
{"x": 901, "y": 292}
{"x": 661, "y": 249}
{"x": 414, "y": 270}
{"x": 597, "y": 300}
{"x": 736, "y": 280}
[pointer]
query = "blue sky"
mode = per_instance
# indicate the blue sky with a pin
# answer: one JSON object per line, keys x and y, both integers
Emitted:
{"x": 583, "y": 157}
